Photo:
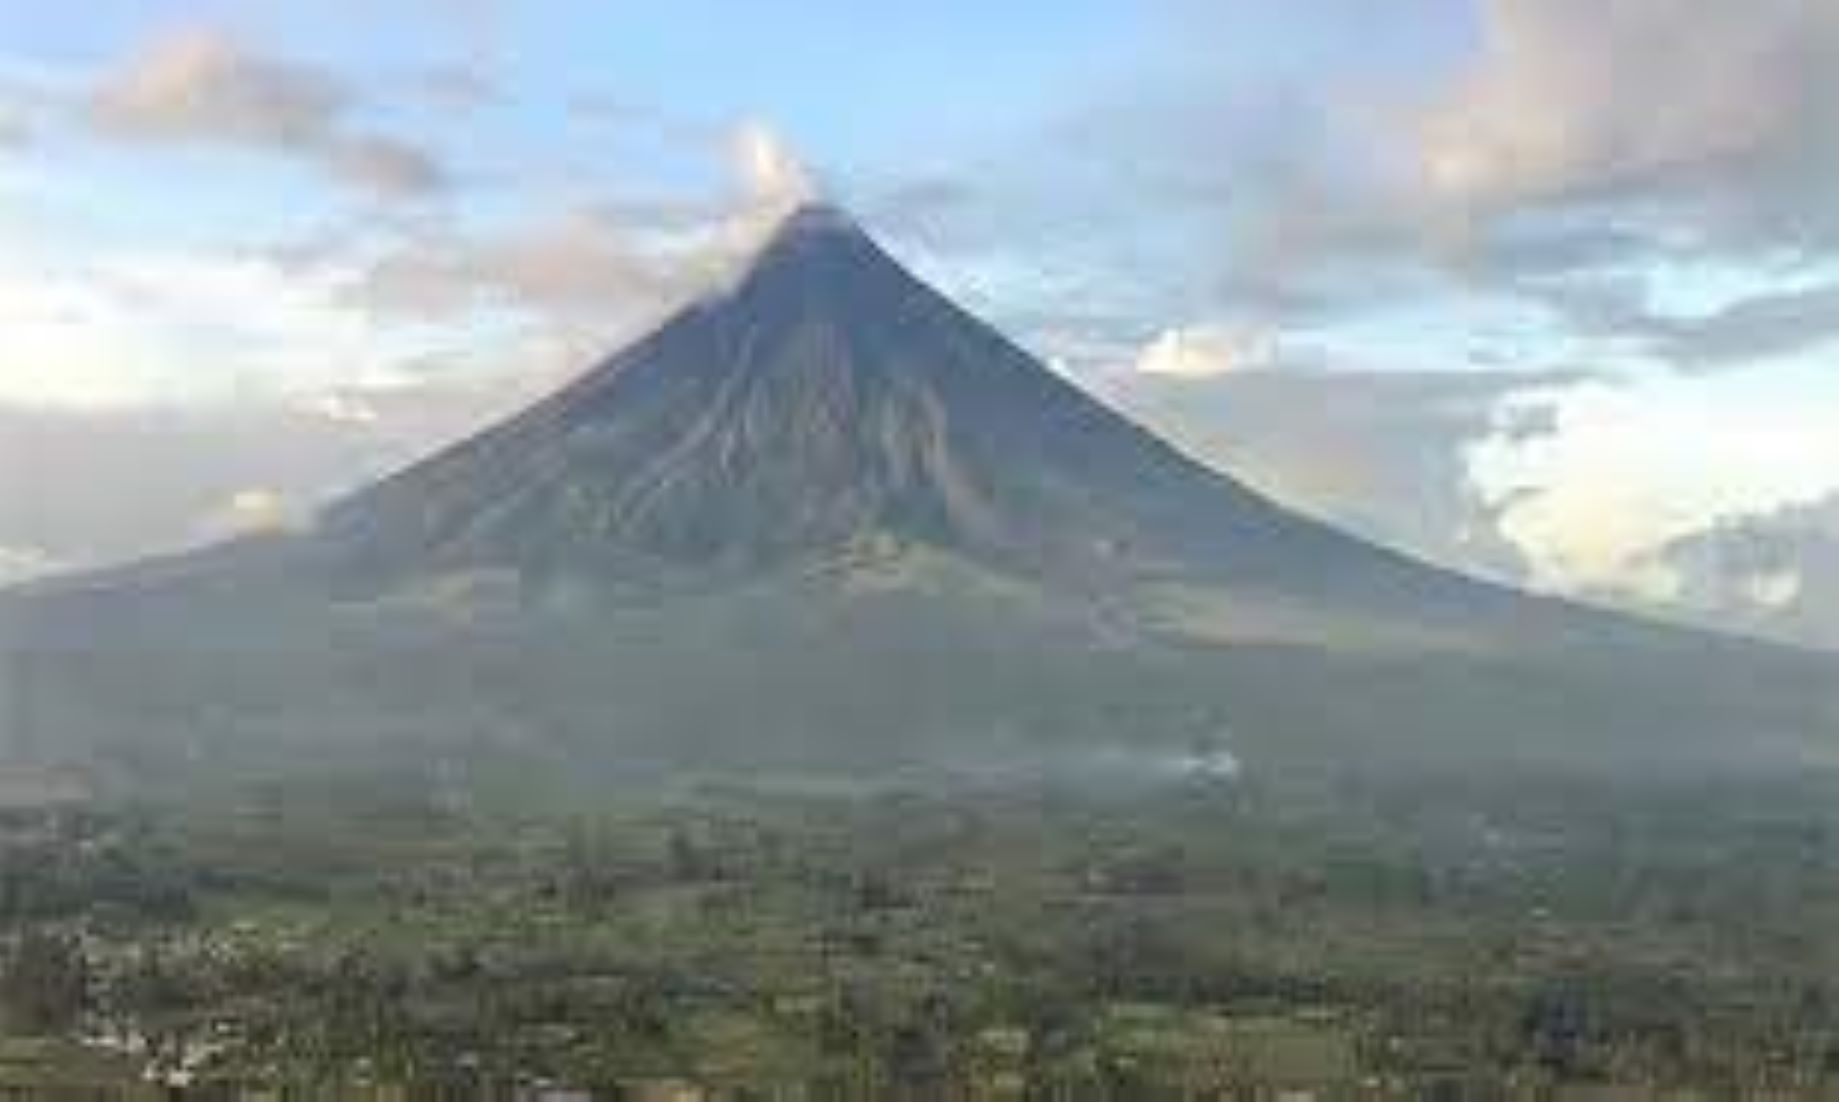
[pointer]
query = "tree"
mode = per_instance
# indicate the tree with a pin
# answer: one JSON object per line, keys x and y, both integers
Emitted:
{"x": 45, "y": 988}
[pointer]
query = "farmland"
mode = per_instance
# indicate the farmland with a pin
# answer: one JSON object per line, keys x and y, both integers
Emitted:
{"x": 1198, "y": 936}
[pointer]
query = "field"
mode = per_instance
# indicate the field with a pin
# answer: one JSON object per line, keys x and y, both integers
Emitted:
{"x": 1198, "y": 936}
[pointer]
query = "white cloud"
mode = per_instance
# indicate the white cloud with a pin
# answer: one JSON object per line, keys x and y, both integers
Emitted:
{"x": 253, "y": 512}
{"x": 584, "y": 276}
{"x": 94, "y": 486}
{"x": 200, "y": 86}
{"x": 1727, "y": 106}
{"x": 22, "y": 564}
{"x": 167, "y": 329}
{"x": 1776, "y": 590}
{"x": 1378, "y": 451}
{"x": 317, "y": 328}
{"x": 1206, "y": 352}
{"x": 1776, "y": 573}
{"x": 340, "y": 407}
{"x": 1592, "y": 138}
{"x": 1629, "y": 468}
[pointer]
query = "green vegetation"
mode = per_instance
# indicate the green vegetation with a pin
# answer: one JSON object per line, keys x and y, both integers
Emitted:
{"x": 409, "y": 935}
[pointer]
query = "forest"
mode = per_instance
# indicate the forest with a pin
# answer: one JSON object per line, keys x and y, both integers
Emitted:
{"x": 1199, "y": 936}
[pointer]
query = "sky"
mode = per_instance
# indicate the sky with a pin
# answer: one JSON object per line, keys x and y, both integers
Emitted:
{"x": 1544, "y": 290}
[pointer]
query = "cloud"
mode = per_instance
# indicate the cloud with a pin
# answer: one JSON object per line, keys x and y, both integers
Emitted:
{"x": 586, "y": 267}
{"x": 22, "y": 564}
{"x": 200, "y": 86}
{"x": 1775, "y": 591}
{"x": 1772, "y": 573}
{"x": 1752, "y": 329}
{"x": 1597, "y": 486}
{"x": 1556, "y": 139}
{"x": 1625, "y": 469}
{"x": 365, "y": 305}
{"x": 1379, "y": 451}
{"x": 166, "y": 329}
{"x": 1726, "y": 105}
{"x": 594, "y": 271}
{"x": 198, "y": 474}
{"x": 1775, "y": 316}
{"x": 1205, "y": 352}
{"x": 1589, "y": 152}
{"x": 386, "y": 166}
{"x": 252, "y": 512}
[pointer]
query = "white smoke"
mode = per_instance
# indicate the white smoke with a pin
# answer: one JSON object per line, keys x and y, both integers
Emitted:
{"x": 776, "y": 179}
{"x": 773, "y": 182}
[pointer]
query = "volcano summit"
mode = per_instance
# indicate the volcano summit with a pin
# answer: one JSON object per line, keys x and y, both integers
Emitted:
{"x": 826, "y": 398}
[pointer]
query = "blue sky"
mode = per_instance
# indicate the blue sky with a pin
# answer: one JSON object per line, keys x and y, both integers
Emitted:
{"x": 1545, "y": 289}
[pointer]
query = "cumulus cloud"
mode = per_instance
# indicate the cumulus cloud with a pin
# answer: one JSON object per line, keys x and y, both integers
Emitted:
{"x": 200, "y": 86}
{"x": 1378, "y": 451}
{"x": 1654, "y": 179}
{"x": 1204, "y": 352}
{"x": 1628, "y": 467}
{"x": 1591, "y": 485}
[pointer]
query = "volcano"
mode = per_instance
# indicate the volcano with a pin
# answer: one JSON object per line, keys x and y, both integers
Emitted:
{"x": 824, "y": 518}
{"x": 828, "y": 398}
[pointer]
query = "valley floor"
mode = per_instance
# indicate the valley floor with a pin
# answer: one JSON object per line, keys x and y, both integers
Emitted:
{"x": 408, "y": 937}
